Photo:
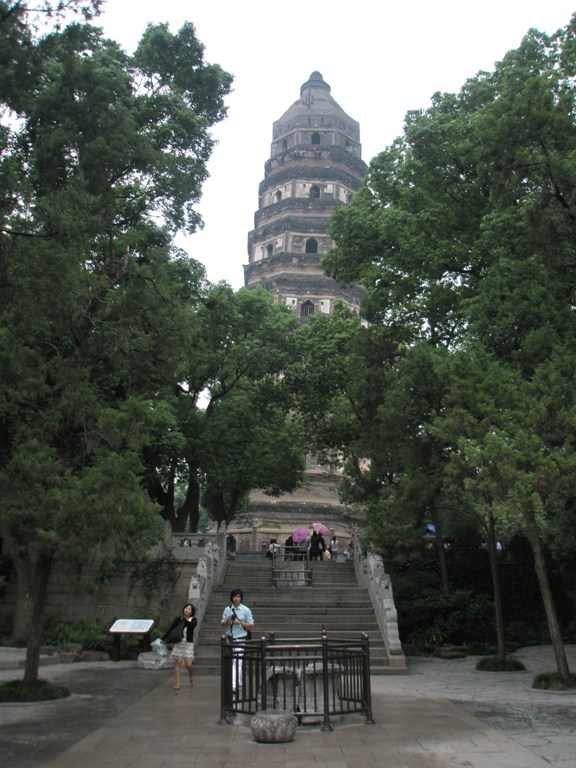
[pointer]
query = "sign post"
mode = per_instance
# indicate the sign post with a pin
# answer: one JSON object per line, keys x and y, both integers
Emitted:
{"x": 121, "y": 627}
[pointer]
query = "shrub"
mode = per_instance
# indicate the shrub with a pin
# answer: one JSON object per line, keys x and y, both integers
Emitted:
{"x": 496, "y": 664}
{"x": 39, "y": 690}
{"x": 456, "y": 617}
{"x": 553, "y": 681}
{"x": 90, "y": 634}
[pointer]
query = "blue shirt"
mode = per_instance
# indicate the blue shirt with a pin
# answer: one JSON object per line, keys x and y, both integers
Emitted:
{"x": 244, "y": 614}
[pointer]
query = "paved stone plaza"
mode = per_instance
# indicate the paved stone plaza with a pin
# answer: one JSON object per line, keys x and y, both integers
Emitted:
{"x": 443, "y": 713}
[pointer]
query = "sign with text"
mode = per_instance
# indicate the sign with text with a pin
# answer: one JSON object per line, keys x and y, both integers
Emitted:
{"x": 132, "y": 626}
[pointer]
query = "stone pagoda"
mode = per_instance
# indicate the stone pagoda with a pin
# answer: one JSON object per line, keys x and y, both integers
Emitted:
{"x": 314, "y": 167}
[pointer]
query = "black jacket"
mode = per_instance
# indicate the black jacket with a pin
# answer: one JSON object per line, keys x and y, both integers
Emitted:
{"x": 190, "y": 626}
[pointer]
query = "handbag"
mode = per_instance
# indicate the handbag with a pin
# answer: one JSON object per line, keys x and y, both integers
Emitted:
{"x": 175, "y": 634}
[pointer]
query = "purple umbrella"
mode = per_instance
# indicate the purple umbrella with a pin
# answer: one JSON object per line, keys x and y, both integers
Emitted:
{"x": 299, "y": 535}
{"x": 321, "y": 528}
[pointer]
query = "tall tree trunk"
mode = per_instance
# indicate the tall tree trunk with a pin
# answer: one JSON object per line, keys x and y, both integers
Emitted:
{"x": 33, "y": 575}
{"x": 496, "y": 590}
{"x": 441, "y": 552}
{"x": 546, "y": 592}
{"x": 191, "y": 507}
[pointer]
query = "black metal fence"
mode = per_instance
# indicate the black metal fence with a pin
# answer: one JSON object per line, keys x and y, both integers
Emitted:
{"x": 320, "y": 681}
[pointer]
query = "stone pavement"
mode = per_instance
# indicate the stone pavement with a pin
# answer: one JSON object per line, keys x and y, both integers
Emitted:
{"x": 442, "y": 714}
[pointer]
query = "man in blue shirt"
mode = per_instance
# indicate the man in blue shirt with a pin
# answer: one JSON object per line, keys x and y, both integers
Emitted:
{"x": 238, "y": 620}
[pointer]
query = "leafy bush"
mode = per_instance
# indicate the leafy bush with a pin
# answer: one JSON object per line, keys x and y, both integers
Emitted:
{"x": 496, "y": 664}
{"x": 91, "y": 634}
{"x": 39, "y": 690}
{"x": 458, "y": 617}
{"x": 553, "y": 681}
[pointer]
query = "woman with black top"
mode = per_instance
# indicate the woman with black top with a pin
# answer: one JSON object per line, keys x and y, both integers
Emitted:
{"x": 183, "y": 649}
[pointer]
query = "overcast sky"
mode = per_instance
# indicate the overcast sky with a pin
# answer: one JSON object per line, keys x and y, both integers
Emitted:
{"x": 380, "y": 58}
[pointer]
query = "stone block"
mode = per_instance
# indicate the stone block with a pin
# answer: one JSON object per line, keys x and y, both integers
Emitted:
{"x": 273, "y": 726}
{"x": 152, "y": 660}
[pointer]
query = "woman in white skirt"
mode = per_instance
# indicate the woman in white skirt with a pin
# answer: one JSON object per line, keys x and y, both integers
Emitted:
{"x": 181, "y": 633}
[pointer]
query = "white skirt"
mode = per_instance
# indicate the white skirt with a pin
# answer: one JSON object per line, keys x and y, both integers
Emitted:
{"x": 183, "y": 650}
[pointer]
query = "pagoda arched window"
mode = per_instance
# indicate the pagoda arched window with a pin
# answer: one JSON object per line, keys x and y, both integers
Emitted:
{"x": 311, "y": 245}
{"x": 306, "y": 309}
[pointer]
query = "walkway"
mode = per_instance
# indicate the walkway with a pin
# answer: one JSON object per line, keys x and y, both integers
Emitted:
{"x": 442, "y": 714}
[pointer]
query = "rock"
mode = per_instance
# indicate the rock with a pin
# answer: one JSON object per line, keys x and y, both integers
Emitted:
{"x": 71, "y": 648}
{"x": 449, "y": 653}
{"x": 94, "y": 656}
{"x": 273, "y": 727}
{"x": 69, "y": 657}
{"x": 152, "y": 660}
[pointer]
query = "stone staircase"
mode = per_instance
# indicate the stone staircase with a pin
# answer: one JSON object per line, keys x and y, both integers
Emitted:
{"x": 332, "y": 602}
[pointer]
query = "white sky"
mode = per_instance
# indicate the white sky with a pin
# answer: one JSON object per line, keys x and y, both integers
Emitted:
{"x": 380, "y": 58}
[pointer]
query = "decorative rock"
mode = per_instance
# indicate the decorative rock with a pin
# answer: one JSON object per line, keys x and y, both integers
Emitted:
{"x": 273, "y": 726}
{"x": 152, "y": 660}
{"x": 94, "y": 656}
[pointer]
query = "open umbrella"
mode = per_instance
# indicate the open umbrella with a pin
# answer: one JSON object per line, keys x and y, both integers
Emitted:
{"x": 299, "y": 535}
{"x": 321, "y": 528}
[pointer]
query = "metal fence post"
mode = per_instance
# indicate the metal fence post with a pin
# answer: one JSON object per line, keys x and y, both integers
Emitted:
{"x": 263, "y": 686}
{"x": 327, "y": 725}
{"x": 366, "y": 678}
{"x": 223, "y": 680}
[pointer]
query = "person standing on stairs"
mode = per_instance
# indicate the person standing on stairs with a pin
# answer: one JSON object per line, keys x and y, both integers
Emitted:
{"x": 334, "y": 546}
{"x": 238, "y": 620}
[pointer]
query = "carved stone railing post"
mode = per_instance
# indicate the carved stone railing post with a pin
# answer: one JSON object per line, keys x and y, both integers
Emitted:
{"x": 371, "y": 575}
{"x": 210, "y": 569}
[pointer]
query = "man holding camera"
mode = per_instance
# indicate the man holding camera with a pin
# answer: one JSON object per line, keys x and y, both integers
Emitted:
{"x": 238, "y": 620}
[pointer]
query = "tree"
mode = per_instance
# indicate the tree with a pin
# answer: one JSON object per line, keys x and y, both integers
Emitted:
{"x": 95, "y": 304}
{"x": 463, "y": 236}
{"x": 230, "y": 426}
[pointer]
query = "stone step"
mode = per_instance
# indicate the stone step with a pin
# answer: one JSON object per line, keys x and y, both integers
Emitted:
{"x": 333, "y": 603}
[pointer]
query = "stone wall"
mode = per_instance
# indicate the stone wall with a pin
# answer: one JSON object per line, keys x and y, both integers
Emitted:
{"x": 122, "y": 598}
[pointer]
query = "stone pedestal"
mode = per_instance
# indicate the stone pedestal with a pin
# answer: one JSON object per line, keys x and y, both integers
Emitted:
{"x": 273, "y": 726}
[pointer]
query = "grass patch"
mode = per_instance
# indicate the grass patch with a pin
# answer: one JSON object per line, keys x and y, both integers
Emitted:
{"x": 40, "y": 690}
{"x": 553, "y": 681}
{"x": 496, "y": 664}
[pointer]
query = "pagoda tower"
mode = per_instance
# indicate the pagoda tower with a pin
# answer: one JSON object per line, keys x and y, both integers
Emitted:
{"x": 314, "y": 167}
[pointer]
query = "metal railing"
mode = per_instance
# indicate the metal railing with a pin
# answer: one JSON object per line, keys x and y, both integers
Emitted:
{"x": 318, "y": 680}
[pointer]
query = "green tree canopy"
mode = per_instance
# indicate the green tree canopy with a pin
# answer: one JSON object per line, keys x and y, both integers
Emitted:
{"x": 464, "y": 237}
{"x": 103, "y": 159}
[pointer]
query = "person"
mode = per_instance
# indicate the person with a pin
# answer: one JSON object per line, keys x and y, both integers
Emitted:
{"x": 238, "y": 621}
{"x": 289, "y": 549}
{"x": 183, "y": 649}
{"x": 273, "y": 549}
{"x": 349, "y": 551}
{"x": 321, "y": 546}
{"x": 315, "y": 552}
{"x": 334, "y": 546}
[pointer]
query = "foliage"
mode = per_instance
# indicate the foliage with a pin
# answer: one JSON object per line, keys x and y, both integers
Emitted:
{"x": 553, "y": 681}
{"x": 496, "y": 664}
{"x": 463, "y": 236}
{"x": 228, "y": 425}
{"x": 103, "y": 159}
{"x": 157, "y": 578}
{"x": 38, "y": 690}
{"x": 91, "y": 635}
{"x": 433, "y": 618}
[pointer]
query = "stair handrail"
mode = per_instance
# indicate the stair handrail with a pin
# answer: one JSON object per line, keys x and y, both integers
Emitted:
{"x": 210, "y": 572}
{"x": 370, "y": 574}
